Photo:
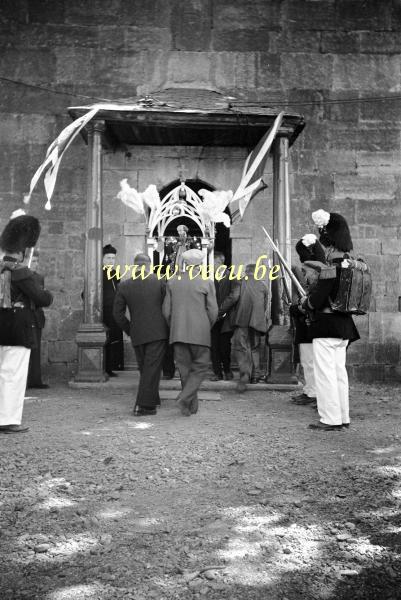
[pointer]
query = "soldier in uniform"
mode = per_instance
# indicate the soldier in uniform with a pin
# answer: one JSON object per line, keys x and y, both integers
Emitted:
{"x": 20, "y": 295}
{"x": 330, "y": 331}
{"x": 308, "y": 249}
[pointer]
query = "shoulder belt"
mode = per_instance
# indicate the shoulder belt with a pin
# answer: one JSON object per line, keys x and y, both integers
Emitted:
{"x": 329, "y": 272}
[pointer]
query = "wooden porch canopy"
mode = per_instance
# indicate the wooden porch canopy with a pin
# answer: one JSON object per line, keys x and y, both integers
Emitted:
{"x": 176, "y": 117}
{"x": 188, "y": 118}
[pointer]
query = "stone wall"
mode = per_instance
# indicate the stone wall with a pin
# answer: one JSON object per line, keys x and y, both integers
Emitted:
{"x": 308, "y": 53}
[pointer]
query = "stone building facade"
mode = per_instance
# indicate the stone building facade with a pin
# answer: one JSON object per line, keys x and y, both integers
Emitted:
{"x": 306, "y": 56}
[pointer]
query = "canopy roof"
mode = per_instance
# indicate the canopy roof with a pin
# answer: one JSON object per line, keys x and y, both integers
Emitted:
{"x": 188, "y": 117}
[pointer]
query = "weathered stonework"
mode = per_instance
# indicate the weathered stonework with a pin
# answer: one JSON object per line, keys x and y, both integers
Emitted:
{"x": 290, "y": 51}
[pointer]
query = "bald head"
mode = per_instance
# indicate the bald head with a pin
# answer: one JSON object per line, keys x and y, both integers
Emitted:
{"x": 142, "y": 259}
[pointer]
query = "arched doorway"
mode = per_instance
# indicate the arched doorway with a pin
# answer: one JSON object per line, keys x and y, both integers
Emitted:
{"x": 181, "y": 205}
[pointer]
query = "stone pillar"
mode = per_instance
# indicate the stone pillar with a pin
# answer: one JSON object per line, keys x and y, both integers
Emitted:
{"x": 281, "y": 367}
{"x": 91, "y": 335}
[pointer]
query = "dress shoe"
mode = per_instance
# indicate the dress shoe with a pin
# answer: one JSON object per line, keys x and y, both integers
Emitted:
{"x": 13, "y": 429}
{"x": 324, "y": 426}
{"x": 194, "y": 406}
{"x": 241, "y": 386}
{"x": 345, "y": 425}
{"x": 39, "y": 386}
{"x": 305, "y": 400}
{"x": 185, "y": 410}
{"x": 255, "y": 380}
{"x": 142, "y": 411}
{"x": 111, "y": 374}
{"x": 302, "y": 397}
{"x": 228, "y": 375}
{"x": 216, "y": 377}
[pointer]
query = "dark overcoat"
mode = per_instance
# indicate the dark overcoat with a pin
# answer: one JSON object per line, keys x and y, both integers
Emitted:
{"x": 144, "y": 299}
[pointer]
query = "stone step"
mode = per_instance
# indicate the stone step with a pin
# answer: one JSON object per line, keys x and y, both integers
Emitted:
{"x": 205, "y": 395}
{"x": 127, "y": 380}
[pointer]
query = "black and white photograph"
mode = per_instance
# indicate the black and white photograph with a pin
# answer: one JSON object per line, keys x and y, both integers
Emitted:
{"x": 200, "y": 299}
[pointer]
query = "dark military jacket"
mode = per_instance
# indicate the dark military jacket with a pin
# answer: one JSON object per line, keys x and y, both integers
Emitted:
{"x": 27, "y": 294}
{"x": 326, "y": 323}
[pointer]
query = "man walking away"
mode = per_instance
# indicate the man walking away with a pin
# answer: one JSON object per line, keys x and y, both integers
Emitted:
{"x": 190, "y": 308}
{"x": 250, "y": 323}
{"x": 147, "y": 328}
{"x": 227, "y": 295}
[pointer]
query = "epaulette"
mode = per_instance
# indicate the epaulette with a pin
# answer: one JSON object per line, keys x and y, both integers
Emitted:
{"x": 328, "y": 272}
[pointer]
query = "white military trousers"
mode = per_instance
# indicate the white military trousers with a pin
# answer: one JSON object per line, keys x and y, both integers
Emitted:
{"x": 306, "y": 358}
{"x": 14, "y": 363}
{"x": 331, "y": 380}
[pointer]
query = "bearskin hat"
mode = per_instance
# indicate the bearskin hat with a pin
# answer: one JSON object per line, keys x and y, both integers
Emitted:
{"x": 109, "y": 249}
{"x": 308, "y": 249}
{"x": 334, "y": 230}
{"x": 20, "y": 233}
{"x": 338, "y": 233}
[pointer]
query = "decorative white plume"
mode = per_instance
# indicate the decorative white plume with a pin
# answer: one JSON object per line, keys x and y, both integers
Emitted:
{"x": 130, "y": 197}
{"x": 309, "y": 239}
{"x": 151, "y": 197}
{"x": 213, "y": 206}
{"x": 320, "y": 217}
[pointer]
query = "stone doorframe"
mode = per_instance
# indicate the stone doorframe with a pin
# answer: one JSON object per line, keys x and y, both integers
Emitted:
{"x": 91, "y": 335}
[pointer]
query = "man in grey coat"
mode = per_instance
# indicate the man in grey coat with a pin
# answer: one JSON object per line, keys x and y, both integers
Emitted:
{"x": 190, "y": 309}
{"x": 147, "y": 328}
{"x": 250, "y": 323}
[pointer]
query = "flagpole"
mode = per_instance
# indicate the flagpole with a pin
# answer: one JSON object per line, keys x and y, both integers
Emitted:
{"x": 284, "y": 264}
{"x": 30, "y": 256}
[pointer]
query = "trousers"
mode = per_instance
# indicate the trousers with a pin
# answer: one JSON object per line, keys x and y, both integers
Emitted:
{"x": 14, "y": 362}
{"x": 168, "y": 362}
{"x": 193, "y": 364}
{"x": 35, "y": 368}
{"x": 306, "y": 359}
{"x": 220, "y": 350}
{"x": 246, "y": 341}
{"x": 150, "y": 358}
{"x": 331, "y": 380}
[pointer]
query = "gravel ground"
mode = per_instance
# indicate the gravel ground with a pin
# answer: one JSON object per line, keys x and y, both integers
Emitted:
{"x": 239, "y": 502}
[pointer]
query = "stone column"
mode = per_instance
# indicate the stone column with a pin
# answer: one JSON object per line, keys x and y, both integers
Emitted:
{"x": 91, "y": 335}
{"x": 281, "y": 368}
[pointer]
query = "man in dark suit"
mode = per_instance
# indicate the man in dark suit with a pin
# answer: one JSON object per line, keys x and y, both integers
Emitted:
{"x": 227, "y": 296}
{"x": 147, "y": 328}
{"x": 190, "y": 308}
{"x": 114, "y": 347}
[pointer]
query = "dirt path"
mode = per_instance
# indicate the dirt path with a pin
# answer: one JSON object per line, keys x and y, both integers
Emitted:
{"x": 240, "y": 502}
